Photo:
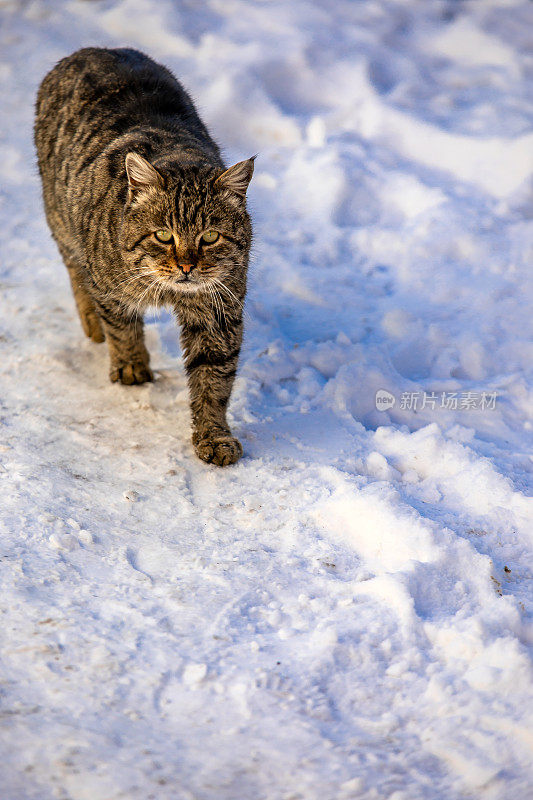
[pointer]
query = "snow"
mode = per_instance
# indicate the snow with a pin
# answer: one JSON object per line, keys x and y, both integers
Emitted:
{"x": 346, "y": 613}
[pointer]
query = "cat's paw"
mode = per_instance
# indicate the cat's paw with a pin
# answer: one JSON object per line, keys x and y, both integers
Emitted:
{"x": 221, "y": 449}
{"x": 129, "y": 374}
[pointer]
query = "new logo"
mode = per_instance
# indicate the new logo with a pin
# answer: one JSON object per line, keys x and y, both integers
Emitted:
{"x": 384, "y": 400}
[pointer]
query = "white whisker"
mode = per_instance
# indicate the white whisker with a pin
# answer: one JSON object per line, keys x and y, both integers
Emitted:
{"x": 137, "y": 306}
{"x": 232, "y": 296}
{"x": 222, "y": 309}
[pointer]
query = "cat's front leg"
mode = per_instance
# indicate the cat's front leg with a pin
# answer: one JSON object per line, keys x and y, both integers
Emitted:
{"x": 211, "y": 355}
{"x": 129, "y": 358}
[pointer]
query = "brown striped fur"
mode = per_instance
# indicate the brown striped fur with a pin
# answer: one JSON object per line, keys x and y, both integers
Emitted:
{"x": 122, "y": 154}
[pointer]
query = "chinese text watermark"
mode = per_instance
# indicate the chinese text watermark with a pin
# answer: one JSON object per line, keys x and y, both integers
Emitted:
{"x": 418, "y": 401}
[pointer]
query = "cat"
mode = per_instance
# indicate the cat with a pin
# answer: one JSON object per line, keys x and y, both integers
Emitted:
{"x": 145, "y": 213}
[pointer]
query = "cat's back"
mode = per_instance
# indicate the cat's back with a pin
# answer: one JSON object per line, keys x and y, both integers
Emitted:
{"x": 89, "y": 78}
{"x": 96, "y": 95}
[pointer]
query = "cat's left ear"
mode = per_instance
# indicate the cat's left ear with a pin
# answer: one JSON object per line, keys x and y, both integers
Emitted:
{"x": 141, "y": 174}
{"x": 237, "y": 177}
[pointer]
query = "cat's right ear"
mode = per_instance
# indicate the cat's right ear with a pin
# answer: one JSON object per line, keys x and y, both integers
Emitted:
{"x": 141, "y": 174}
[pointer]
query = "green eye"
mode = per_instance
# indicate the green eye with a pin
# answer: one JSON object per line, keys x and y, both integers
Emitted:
{"x": 163, "y": 236}
{"x": 210, "y": 236}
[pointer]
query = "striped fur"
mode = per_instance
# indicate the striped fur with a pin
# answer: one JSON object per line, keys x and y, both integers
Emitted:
{"x": 122, "y": 154}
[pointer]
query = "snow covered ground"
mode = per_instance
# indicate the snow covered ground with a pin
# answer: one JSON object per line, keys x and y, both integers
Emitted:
{"x": 343, "y": 614}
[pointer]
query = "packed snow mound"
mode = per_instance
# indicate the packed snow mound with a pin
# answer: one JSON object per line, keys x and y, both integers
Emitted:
{"x": 346, "y": 613}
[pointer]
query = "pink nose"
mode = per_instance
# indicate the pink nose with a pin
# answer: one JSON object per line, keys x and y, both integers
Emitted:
{"x": 186, "y": 267}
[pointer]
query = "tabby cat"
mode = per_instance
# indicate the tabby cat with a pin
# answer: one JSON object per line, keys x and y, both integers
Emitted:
{"x": 145, "y": 213}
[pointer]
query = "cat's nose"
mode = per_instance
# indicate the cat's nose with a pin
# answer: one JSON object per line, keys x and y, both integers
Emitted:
{"x": 186, "y": 267}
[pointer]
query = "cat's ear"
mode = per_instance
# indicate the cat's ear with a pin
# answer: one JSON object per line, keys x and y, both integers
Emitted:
{"x": 237, "y": 177}
{"x": 141, "y": 174}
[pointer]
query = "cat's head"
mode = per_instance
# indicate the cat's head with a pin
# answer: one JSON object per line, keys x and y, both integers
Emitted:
{"x": 185, "y": 227}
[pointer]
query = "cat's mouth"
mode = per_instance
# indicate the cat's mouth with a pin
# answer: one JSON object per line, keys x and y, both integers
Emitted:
{"x": 185, "y": 284}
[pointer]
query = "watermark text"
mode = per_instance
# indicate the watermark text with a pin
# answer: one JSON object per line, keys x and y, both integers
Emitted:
{"x": 454, "y": 401}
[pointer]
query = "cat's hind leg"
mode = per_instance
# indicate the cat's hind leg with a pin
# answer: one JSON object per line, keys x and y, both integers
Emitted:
{"x": 129, "y": 358}
{"x": 88, "y": 314}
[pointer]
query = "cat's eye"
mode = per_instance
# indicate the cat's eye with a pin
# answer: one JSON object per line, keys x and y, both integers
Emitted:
{"x": 210, "y": 237}
{"x": 163, "y": 236}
